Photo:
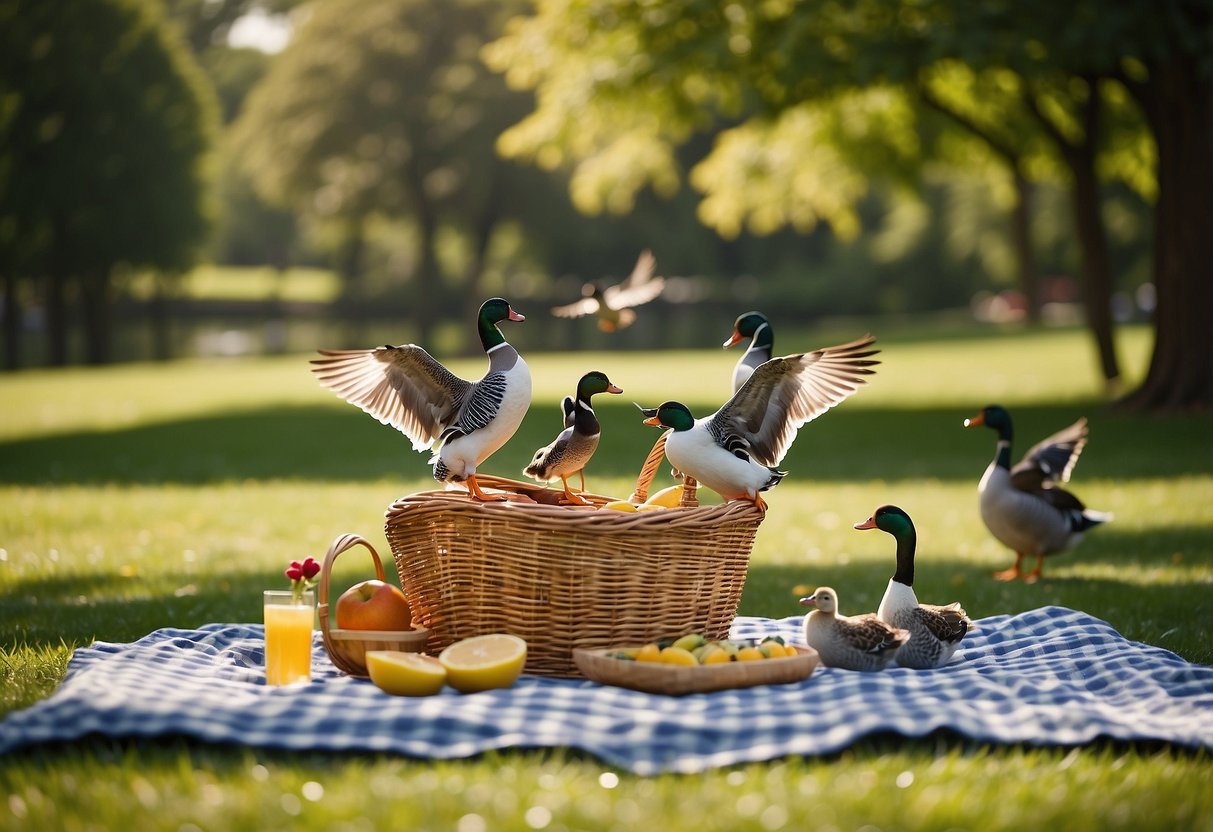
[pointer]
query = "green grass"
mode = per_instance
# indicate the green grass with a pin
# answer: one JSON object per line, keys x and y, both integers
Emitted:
{"x": 145, "y": 496}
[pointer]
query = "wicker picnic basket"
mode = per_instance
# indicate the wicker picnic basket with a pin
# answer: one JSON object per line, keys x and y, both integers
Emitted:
{"x": 564, "y": 577}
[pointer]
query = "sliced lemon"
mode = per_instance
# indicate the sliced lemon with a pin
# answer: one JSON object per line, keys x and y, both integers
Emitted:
{"x": 405, "y": 674}
{"x": 484, "y": 662}
{"x": 620, "y": 505}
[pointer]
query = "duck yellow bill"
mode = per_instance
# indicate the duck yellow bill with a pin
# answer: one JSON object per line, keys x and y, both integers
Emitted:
{"x": 976, "y": 421}
{"x": 870, "y": 523}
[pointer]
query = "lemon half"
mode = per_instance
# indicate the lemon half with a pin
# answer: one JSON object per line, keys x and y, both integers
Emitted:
{"x": 484, "y": 662}
{"x": 405, "y": 674}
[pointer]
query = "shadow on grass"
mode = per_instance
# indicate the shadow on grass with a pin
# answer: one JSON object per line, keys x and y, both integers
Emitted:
{"x": 327, "y": 443}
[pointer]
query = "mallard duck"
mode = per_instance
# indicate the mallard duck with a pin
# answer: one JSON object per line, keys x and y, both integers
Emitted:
{"x": 1023, "y": 507}
{"x": 856, "y": 642}
{"x": 937, "y": 630}
{"x": 572, "y": 449}
{"x": 613, "y": 305}
{"x": 735, "y": 450}
{"x": 405, "y": 387}
{"x": 757, "y": 328}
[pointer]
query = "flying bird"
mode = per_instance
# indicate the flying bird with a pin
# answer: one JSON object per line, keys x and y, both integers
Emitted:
{"x": 735, "y": 451}
{"x": 463, "y": 422}
{"x": 613, "y": 306}
{"x": 1024, "y": 507}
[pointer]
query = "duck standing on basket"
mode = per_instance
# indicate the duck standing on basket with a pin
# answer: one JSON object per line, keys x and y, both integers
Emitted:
{"x": 612, "y": 306}
{"x": 757, "y": 328}
{"x": 571, "y": 450}
{"x": 406, "y": 388}
{"x": 1023, "y": 507}
{"x": 735, "y": 451}
{"x": 855, "y": 642}
{"x": 936, "y": 630}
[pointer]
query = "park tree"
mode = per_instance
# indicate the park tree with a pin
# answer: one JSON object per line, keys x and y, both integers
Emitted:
{"x": 105, "y": 131}
{"x": 618, "y": 84}
{"x": 383, "y": 108}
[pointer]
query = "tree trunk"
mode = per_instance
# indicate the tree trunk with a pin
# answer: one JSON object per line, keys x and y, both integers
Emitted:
{"x": 12, "y": 321}
{"x": 96, "y": 293}
{"x": 56, "y": 316}
{"x": 1021, "y": 241}
{"x": 158, "y": 319}
{"x": 1178, "y": 103}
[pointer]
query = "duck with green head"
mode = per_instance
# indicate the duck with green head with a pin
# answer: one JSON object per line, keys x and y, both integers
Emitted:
{"x": 1023, "y": 506}
{"x": 756, "y": 327}
{"x": 464, "y": 422}
{"x": 571, "y": 450}
{"x": 936, "y": 630}
{"x": 735, "y": 451}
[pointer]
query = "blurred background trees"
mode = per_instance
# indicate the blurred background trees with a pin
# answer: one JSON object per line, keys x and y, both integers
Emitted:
{"x": 874, "y": 158}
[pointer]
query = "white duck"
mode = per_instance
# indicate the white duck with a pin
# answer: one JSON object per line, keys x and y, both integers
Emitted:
{"x": 613, "y": 306}
{"x": 936, "y": 630}
{"x": 569, "y": 453}
{"x": 856, "y": 642}
{"x": 405, "y": 387}
{"x": 1023, "y": 507}
{"x": 735, "y": 450}
{"x": 757, "y": 328}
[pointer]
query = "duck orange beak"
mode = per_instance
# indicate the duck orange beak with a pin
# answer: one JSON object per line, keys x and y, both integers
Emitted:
{"x": 736, "y": 338}
{"x": 975, "y": 421}
{"x": 808, "y": 602}
{"x": 611, "y": 388}
{"x": 870, "y": 523}
{"x": 514, "y": 316}
{"x": 654, "y": 421}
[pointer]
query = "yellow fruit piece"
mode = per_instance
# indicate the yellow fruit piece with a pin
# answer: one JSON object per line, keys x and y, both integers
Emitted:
{"x": 405, "y": 674}
{"x": 620, "y": 505}
{"x": 690, "y": 641}
{"x": 649, "y": 507}
{"x": 649, "y": 653}
{"x": 668, "y": 497}
{"x": 484, "y": 662}
{"x": 679, "y": 656}
{"x": 749, "y": 654}
{"x": 715, "y": 655}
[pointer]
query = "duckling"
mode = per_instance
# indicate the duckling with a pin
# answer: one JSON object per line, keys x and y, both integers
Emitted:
{"x": 857, "y": 642}
{"x": 405, "y": 387}
{"x": 936, "y": 630}
{"x": 756, "y": 327}
{"x": 735, "y": 450}
{"x": 613, "y": 306}
{"x": 569, "y": 453}
{"x": 1023, "y": 507}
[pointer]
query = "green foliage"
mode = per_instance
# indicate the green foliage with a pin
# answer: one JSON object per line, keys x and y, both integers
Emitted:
{"x": 105, "y": 130}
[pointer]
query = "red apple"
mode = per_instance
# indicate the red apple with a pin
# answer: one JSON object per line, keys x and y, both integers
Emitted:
{"x": 373, "y": 605}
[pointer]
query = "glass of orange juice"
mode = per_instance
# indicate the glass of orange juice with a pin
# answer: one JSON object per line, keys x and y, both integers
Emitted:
{"x": 288, "y": 636}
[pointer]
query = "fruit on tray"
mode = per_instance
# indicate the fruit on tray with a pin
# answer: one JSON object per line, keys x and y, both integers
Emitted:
{"x": 693, "y": 650}
{"x": 484, "y": 662}
{"x": 670, "y": 497}
{"x": 405, "y": 674}
{"x": 620, "y": 505}
{"x": 373, "y": 605}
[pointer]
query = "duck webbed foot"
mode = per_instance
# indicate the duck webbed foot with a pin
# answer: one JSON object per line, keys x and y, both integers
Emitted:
{"x": 1012, "y": 573}
{"x": 477, "y": 494}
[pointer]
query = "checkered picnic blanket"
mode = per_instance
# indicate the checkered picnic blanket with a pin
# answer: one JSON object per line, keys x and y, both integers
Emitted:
{"x": 1052, "y": 676}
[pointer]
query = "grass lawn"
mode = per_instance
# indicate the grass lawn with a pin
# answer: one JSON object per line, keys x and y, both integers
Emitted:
{"x": 139, "y": 497}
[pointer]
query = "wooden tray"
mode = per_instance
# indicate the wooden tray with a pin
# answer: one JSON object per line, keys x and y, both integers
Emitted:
{"x": 677, "y": 680}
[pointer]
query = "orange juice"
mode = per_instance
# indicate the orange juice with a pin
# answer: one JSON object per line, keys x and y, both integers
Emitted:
{"x": 288, "y": 642}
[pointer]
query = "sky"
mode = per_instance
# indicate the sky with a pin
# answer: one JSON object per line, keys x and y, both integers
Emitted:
{"x": 269, "y": 33}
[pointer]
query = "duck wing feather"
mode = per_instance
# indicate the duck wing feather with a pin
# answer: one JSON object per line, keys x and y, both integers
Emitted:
{"x": 782, "y": 394}
{"x": 1050, "y": 460}
{"x": 639, "y": 287}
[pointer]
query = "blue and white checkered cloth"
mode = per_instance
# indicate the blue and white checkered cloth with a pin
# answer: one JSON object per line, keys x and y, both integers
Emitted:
{"x": 1052, "y": 676}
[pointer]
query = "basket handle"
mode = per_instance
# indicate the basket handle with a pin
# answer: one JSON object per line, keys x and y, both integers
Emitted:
{"x": 342, "y": 543}
{"x": 649, "y": 470}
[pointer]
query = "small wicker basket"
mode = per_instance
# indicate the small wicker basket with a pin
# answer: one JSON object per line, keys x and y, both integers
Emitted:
{"x": 564, "y": 577}
{"x": 347, "y": 648}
